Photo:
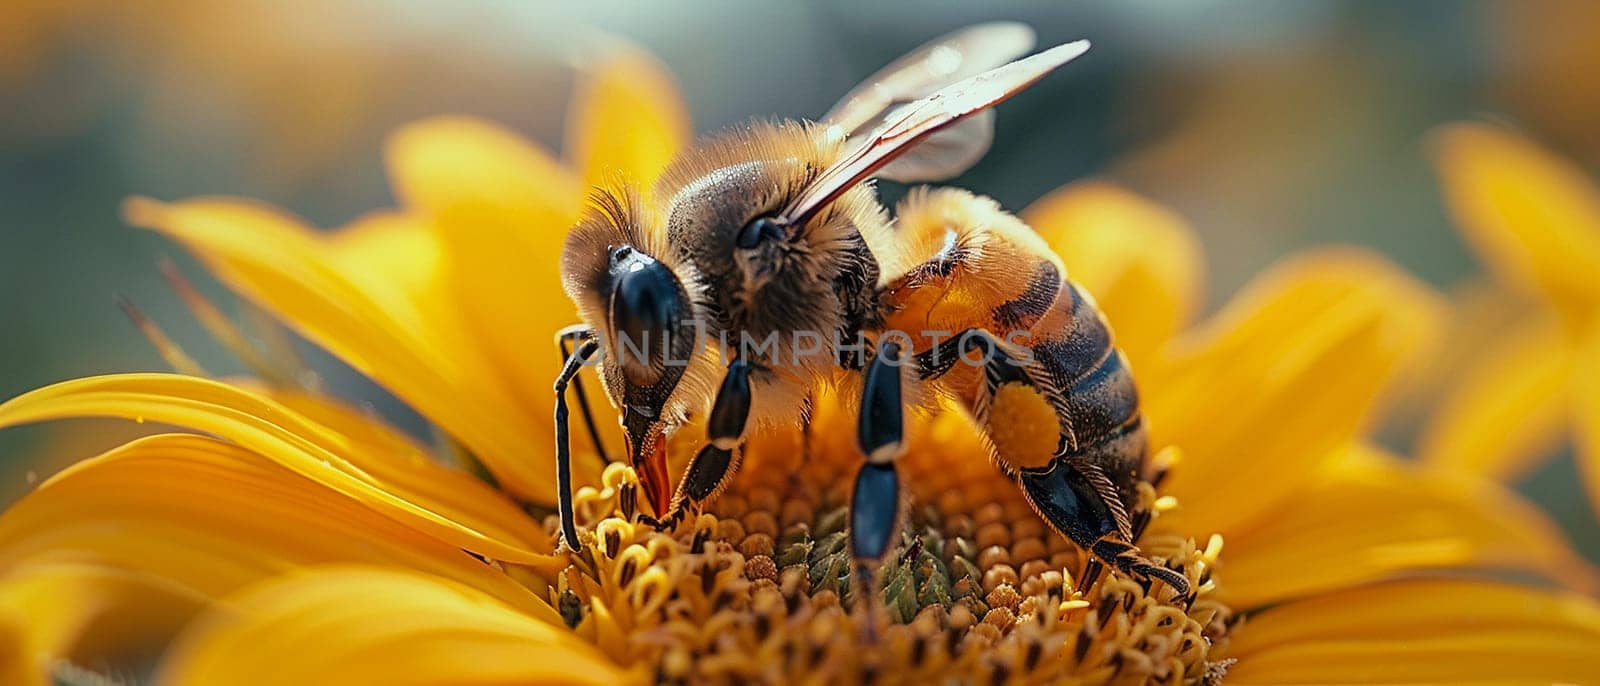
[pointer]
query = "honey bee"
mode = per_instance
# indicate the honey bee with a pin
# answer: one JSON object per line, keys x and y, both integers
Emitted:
{"x": 772, "y": 233}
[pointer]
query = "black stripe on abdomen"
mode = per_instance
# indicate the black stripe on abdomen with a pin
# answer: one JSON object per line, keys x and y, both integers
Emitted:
{"x": 1022, "y": 312}
{"x": 1102, "y": 402}
{"x": 1079, "y": 346}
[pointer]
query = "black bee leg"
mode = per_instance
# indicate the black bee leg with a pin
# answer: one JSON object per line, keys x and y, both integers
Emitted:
{"x": 564, "y": 338}
{"x": 880, "y": 433}
{"x": 1126, "y": 558}
{"x": 999, "y": 362}
{"x": 720, "y": 457}
{"x": 1091, "y": 573}
{"x": 575, "y": 362}
{"x": 1072, "y": 503}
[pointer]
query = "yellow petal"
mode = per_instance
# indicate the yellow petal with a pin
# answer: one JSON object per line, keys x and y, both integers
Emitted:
{"x": 286, "y": 268}
{"x": 439, "y": 165}
{"x": 401, "y": 466}
{"x": 626, "y": 120}
{"x": 1507, "y": 411}
{"x": 1531, "y": 216}
{"x": 60, "y": 617}
{"x": 396, "y": 260}
{"x": 207, "y": 517}
{"x": 1586, "y": 388}
{"x": 500, "y": 208}
{"x": 278, "y": 433}
{"x": 1422, "y": 631}
{"x": 1481, "y": 311}
{"x": 1366, "y": 516}
{"x": 356, "y": 625}
{"x": 1140, "y": 261}
{"x": 1285, "y": 374}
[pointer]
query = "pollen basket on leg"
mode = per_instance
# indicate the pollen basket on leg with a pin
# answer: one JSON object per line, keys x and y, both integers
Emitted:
{"x": 1023, "y": 426}
{"x": 759, "y": 587}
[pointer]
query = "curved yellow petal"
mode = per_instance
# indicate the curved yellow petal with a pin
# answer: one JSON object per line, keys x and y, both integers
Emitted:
{"x": 407, "y": 469}
{"x": 287, "y": 268}
{"x": 1508, "y": 409}
{"x": 1422, "y": 631}
{"x": 357, "y": 625}
{"x": 58, "y": 618}
{"x": 1140, "y": 261}
{"x": 1286, "y": 373}
{"x": 626, "y": 120}
{"x": 443, "y": 165}
{"x": 1586, "y": 410}
{"x": 396, "y": 259}
{"x": 500, "y": 208}
{"x": 208, "y": 516}
{"x": 280, "y": 434}
{"x": 1531, "y": 216}
{"x": 1366, "y": 516}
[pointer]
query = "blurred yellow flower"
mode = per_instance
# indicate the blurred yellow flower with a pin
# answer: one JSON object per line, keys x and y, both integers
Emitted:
{"x": 1534, "y": 220}
{"x": 300, "y": 540}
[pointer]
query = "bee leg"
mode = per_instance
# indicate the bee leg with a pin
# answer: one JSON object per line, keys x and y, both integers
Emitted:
{"x": 880, "y": 433}
{"x": 1071, "y": 503}
{"x": 720, "y": 457}
{"x": 564, "y": 338}
{"x": 1091, "y": 573}
{"x": 1126, "y": 558}
{"x": 1074, "y": 497}
{"x": 569, "y": 370}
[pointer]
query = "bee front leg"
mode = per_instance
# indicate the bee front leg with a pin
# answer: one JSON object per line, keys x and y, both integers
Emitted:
{"x": 564, "y": 339}
{"x": 569, "y": 372}
{"x": 720, "y": 457}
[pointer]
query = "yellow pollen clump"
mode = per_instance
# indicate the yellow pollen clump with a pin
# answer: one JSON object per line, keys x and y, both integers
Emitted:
{"x": 1023, "y": 426}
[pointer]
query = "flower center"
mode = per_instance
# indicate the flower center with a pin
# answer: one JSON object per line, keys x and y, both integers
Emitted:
{"x": 762, "y": 587}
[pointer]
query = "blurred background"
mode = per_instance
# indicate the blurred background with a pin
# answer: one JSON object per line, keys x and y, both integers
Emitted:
{"x": 1269, "y": 125}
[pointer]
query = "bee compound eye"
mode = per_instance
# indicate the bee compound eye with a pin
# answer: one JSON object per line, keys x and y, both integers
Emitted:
{"x": 757, "y": 230}
{"x": 645, "y": 310}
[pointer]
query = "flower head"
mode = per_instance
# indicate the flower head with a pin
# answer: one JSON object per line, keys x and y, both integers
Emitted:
{"x": 300, "y": 539}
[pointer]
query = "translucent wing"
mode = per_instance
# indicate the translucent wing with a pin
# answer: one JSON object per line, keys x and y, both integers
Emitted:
{"x": 913, "y": 123}
{"x": 933, "y": 65}
{"x": 936, "y": 64}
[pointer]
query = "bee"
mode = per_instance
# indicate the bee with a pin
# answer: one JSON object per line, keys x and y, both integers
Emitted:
{"x": 772, "y": 234}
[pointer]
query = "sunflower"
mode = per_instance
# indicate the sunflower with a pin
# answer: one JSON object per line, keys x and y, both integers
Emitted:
{"x": 289, "y": 536}
{"x": 1534, "y": 220}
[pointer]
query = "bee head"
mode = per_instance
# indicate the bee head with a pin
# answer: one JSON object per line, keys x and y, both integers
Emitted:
{"x": 636, "y": 299}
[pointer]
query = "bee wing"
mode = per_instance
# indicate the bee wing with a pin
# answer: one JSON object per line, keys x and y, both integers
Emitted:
{"x": 937, "y": 63}
{"x": 912, "y": 124}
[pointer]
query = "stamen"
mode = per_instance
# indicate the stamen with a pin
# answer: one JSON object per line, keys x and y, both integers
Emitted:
{"x": 170, "y": 351}
{"x": 278, "y": 346}
{"x": 763, "y": 587}
{"x": 223, "y": 329}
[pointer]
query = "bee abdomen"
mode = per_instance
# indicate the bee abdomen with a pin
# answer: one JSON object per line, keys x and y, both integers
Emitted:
{"x": 1073, "y": 345}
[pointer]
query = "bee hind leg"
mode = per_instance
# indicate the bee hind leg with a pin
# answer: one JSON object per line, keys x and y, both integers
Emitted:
{"x": 719, "y": 458}
{"x": 1072, "y": 503}
{"x": 1126, "y": 558}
